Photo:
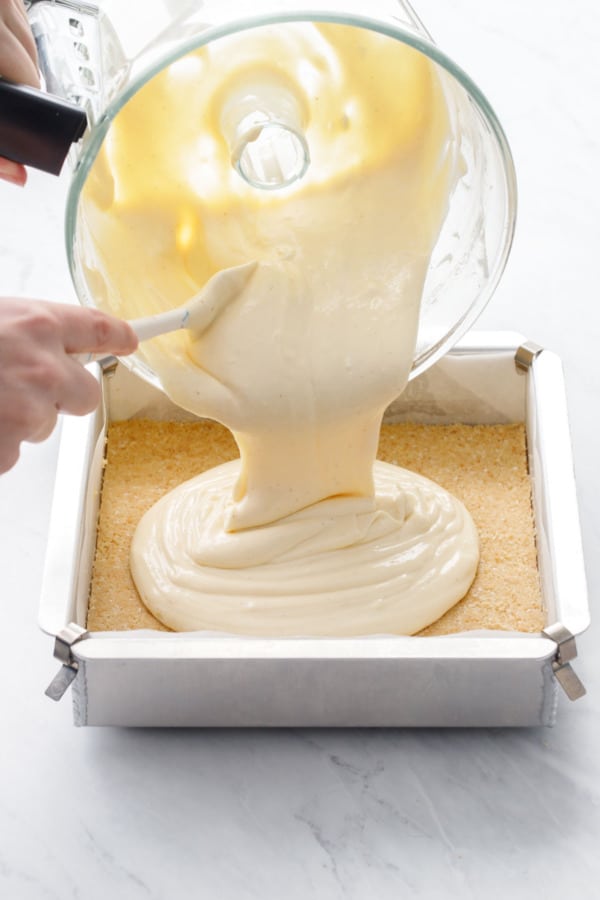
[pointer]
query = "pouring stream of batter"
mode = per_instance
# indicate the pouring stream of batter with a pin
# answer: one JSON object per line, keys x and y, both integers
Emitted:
{"x": 304, "y": 535}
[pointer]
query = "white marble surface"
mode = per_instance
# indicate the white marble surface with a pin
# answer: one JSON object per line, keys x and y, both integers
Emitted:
{"x": 93, "y": 814}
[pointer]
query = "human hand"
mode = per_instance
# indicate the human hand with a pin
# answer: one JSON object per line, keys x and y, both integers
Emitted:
{"x": 38, "y": 377}
{"x": 18, "y": 63}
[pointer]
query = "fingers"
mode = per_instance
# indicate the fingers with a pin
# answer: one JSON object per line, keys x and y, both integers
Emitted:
{"x": 18, "y": 60}
{"x": 49, "y": 333}
{"x": 17, "y": 64}
{"x": 78, "y": 392}
{"x": 45, "y": 429}
{"x": 9, "y": 452}
{"x": 38, "y": 377}
{"x": 92, "y": 331}
{"x": 21, "y": 28}
{"x": 13, "y": 172}
{"x": 72, "y": 329}
{"x": 29, "y": 406}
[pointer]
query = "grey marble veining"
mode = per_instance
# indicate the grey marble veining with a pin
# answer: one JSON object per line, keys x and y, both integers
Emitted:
{"x": 149, "y": 815}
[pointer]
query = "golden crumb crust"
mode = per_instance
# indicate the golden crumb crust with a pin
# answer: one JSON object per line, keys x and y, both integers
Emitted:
{"x": 485, "y": 466}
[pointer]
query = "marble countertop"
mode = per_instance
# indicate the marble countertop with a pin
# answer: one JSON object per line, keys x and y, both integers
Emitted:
{"x": 96, "y": 813}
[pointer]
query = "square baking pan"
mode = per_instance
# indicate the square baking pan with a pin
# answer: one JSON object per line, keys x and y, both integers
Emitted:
{"x": 483, "y": 678}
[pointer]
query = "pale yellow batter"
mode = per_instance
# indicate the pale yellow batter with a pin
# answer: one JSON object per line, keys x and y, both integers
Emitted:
{"x": 300, "y": 537}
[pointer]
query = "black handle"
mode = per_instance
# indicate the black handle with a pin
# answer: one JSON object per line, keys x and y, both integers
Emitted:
{"x": 37, "y": 129}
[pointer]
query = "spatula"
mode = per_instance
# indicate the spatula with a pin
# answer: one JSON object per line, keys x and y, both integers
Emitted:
{"x": 195, "y": 315}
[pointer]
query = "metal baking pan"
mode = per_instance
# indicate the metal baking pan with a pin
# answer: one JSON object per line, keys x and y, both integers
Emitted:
{"x": 151, "y": 678}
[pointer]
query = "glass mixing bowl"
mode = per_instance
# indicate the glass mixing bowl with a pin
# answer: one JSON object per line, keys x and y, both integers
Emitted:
{"x": 100, "y": 55}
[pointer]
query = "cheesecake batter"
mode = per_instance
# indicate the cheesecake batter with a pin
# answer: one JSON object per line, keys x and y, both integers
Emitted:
{"x": 305, "y": 535}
